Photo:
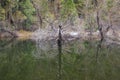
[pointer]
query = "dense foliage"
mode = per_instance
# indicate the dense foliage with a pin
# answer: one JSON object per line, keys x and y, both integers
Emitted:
{"x": 24, "y": 13}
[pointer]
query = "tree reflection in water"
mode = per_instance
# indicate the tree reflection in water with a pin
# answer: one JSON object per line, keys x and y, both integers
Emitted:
{"x": 76, "y": 60}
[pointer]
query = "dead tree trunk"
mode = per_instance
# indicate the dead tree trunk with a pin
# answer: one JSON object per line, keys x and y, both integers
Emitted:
{"x": 98, "y": 19}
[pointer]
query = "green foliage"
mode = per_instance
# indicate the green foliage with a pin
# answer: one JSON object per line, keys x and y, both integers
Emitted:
{"x": 27, "y": 8}
{"x": 2, "y": 13}
{"x": 24, "y": 13}
{"x": 68, "y": 8}
{"x": 80, "y": 4}
{"x": 110, "y": 4}
{"x": 20, "y": 10}
{"x": 19, "y": 16}
{"x": 5, "y": 3}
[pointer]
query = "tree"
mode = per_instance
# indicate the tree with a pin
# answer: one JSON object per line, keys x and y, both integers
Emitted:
{"x": 26, "y": 7}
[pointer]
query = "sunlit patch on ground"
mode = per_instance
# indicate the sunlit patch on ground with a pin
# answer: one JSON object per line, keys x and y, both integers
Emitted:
{"x": 23, "y": 35}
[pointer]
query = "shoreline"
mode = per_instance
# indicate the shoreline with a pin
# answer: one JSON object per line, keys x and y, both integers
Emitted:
{"x": 110, "y": 36}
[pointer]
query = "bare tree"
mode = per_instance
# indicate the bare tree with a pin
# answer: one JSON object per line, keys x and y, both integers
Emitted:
{"x": 96, "y": 5}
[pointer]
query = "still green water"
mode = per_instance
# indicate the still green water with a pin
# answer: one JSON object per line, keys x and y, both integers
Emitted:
{"x": 40, "y": 60}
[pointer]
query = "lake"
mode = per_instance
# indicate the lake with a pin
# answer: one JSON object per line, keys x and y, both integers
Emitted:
{"x": 41, "y": 60}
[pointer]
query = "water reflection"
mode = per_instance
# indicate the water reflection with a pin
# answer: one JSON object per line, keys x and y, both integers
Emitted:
{"x": 29, "y": 60}
{"x": 7, "y": 43}
{"x": 16, "y": 61}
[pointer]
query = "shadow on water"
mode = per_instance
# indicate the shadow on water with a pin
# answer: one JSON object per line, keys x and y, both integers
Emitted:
{"x": 76, "y": 60}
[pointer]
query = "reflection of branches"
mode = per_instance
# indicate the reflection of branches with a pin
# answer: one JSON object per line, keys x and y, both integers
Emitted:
{"x": 7, "y": 44}
{"x": 98, "y": 48}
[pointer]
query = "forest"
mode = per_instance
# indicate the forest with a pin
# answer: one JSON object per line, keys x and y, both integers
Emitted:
{"x": 59, "y": 39}
{"x": 82, "y": 16}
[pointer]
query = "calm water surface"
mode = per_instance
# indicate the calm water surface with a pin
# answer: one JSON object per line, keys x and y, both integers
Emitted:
{"x": 40, "y": 60}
